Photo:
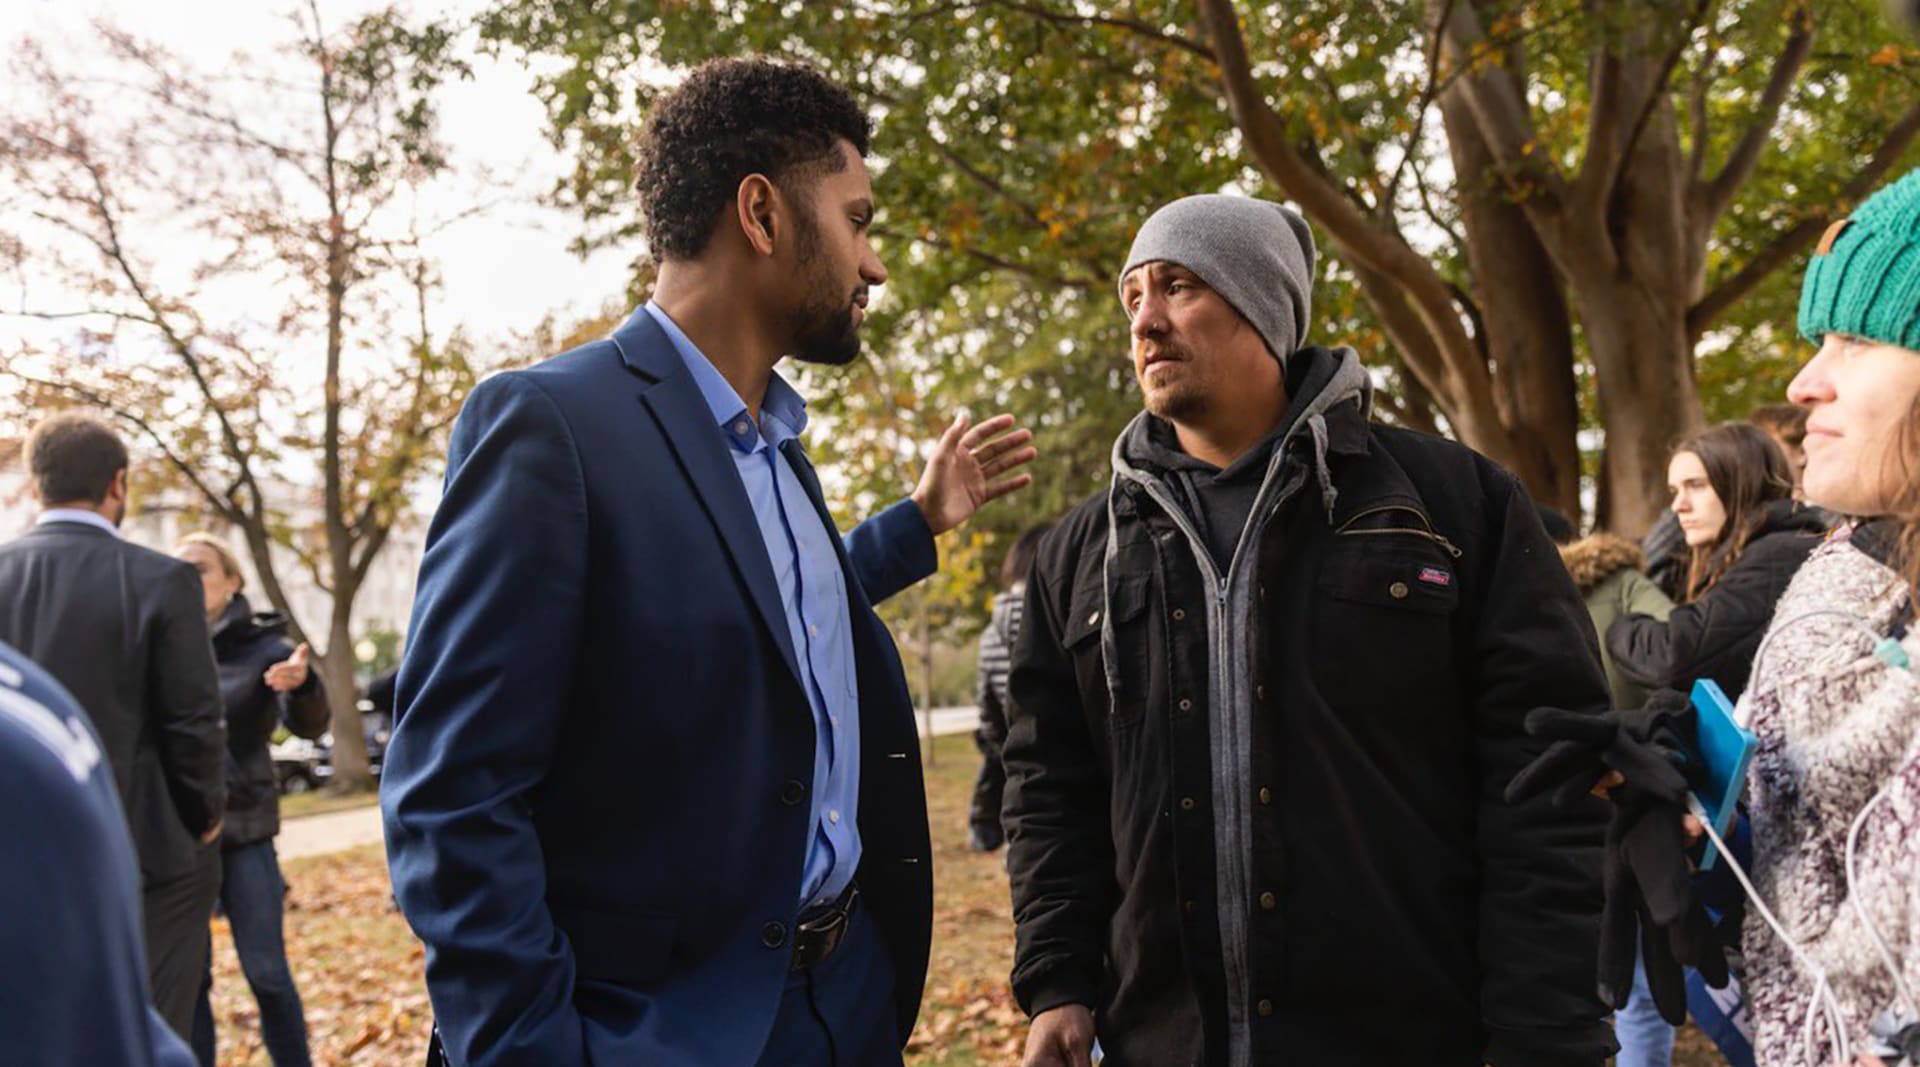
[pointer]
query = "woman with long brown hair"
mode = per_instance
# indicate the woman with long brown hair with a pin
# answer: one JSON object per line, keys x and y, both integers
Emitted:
{"x": 1733, "y": 494}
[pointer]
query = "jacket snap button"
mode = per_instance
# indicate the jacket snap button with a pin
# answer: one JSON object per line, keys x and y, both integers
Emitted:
{"x": 792, "y": 793}
{"x": 773, "y": 935}
{"x": 1398, "y": 590}
{"x": 1186, "y": 705}
{"x": 1260, "y": 692}
{"x": 1266, "y": 1008}
{"x": 1268, "y": 902}
{"x": 1187, "y": 906}
{"x": 1178, "y": 614}
{"x": 1186, "y": 803}
{"x": 1266, "y": 795}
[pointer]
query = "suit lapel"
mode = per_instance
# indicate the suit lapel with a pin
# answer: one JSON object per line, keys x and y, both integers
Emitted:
{"x": 675, "y": 402}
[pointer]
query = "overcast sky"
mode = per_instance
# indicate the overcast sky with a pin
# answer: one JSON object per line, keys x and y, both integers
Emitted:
{"x": 503, "y": 272}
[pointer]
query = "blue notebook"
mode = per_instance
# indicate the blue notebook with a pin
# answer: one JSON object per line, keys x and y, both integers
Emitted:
{"x": 1726, "y": 748}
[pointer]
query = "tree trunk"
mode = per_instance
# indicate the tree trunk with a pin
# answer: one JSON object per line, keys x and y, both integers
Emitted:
{"x": 1528, "y": 334}
{"x": 343, "y": 695}
{"x": 1643, "y": 368}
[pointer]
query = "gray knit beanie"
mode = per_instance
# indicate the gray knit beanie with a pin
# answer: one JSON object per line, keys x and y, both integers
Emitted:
{"x": 1256, "y": 254}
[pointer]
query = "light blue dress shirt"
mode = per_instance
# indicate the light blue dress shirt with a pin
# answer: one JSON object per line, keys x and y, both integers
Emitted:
{"x": 813, "y": 590}
{"x": 79, "y": 515}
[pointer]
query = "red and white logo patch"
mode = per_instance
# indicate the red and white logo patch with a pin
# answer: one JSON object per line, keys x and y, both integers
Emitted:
{"x": 1436, "y": 576}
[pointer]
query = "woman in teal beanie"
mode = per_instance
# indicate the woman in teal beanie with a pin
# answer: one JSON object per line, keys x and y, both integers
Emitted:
{"x": 1834, "y": 790}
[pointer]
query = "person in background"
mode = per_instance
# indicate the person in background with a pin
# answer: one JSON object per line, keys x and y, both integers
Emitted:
{"x": 1665, "y": 545}
{"x": 1787, "y": 425}
{"x": 122, "y": 628}
{"x": 1733, "y": 495}
{"x": 1606, "y": 570}
{"x": 70, "y": 887}
{"x": 996, "y": 650}
{"x": 266, "y": 683}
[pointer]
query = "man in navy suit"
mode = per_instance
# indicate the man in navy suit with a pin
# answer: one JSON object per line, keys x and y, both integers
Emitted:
{"x": 654, "y": 793}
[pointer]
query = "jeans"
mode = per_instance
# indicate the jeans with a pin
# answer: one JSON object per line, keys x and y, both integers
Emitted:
{"x": 1646, "y": 1040}
{"x": 252, "y": 894}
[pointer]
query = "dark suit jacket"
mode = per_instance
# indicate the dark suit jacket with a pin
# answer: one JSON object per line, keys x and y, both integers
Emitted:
{"x": 124, "y": 629}
{"x": 594, "y": 795}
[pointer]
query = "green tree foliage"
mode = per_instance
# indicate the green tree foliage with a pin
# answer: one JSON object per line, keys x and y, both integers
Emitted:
{"x": 1517, "y": 200}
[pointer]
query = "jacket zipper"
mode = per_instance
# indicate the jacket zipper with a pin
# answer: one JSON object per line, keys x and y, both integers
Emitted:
{"x": 1232, "y": 956}
{"x": 1427, "y": 531}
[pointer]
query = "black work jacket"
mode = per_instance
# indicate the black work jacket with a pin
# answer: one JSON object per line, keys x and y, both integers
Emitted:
{"x": 1399, "y": 910}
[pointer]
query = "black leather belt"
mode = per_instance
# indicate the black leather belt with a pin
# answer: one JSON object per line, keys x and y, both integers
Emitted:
{"x": 819, "y": 932}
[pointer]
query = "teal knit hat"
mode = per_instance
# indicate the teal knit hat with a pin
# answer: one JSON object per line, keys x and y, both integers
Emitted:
{"x": 1865, "y": 278}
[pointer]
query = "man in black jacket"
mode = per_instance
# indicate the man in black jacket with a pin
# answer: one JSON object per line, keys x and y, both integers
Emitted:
{"x": 121, "y": 627}
{"x": 1269, "y": 690}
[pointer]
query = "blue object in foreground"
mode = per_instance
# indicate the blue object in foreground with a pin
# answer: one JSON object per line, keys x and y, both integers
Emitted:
{"x": 1725, "y": 750}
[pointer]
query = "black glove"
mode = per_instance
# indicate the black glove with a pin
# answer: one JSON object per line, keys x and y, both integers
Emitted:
{"x": 1646, "y": 876}
{"x": 1647, "y": 745}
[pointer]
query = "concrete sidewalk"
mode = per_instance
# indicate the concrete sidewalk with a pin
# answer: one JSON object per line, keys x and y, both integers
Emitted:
{"x": 336, "y": 831}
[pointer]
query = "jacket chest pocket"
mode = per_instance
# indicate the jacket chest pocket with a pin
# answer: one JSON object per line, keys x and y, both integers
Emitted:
{"x": 1382, "y": 623}
{"x": 1091, "y": 609}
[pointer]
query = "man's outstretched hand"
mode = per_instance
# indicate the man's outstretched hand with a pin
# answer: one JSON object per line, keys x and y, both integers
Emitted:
{"x": 970, "y": 467}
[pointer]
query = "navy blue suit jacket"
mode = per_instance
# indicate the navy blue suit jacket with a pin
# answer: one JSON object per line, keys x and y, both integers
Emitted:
{"x": 595, "y": 792}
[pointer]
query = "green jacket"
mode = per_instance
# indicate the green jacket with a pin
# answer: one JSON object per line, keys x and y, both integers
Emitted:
{"x": 1607, "y": 571}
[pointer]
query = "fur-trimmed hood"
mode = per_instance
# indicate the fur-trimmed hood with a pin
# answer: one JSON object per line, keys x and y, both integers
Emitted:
{"x": 1592, "y": 560}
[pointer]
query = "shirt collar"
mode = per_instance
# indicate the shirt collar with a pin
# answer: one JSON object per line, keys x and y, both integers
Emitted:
{"x": 79, "y": 515}
{"x": 783, "y": 413}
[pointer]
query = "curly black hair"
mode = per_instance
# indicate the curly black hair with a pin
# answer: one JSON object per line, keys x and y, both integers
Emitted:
{"x": 729, "y": 119}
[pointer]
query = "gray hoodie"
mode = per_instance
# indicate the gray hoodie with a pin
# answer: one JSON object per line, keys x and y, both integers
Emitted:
{"x": 1327, "y": 379}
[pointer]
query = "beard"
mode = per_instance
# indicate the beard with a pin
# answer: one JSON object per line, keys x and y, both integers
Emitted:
{"x": 1180, "y": 403}
{"x": 1183, "y": 400}
{"x": 823, "y": 328}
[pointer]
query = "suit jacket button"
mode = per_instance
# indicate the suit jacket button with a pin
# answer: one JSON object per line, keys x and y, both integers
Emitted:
{"x": 773, "y": 935}
{"x": 793, "y": 793}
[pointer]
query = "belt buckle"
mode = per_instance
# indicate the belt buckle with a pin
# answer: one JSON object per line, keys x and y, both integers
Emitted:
{"x": 815, "y": 939}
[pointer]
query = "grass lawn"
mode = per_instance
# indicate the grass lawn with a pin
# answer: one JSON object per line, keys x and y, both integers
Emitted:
{"x": 359, "y": 967}
{"x": 319, "y": 802}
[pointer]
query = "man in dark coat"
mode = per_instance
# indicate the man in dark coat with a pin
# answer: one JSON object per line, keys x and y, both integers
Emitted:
{"x": 122, "y": 628}
{"x": 1268, "y": 692}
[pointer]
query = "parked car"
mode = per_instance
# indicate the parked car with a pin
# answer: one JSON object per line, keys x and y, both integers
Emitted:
{"x": 376, "y": 725}
{"x": 298, "y": 764}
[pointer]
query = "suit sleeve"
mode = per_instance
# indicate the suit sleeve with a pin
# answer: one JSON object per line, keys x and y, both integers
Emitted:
{"x": 1059, "y": 839}
{"x": 892, "y": 550}
{"x": 481, "y": 698}
{"x": 1540, "y": 883}
{"x": 190, "y": 726}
